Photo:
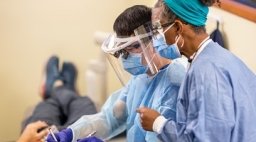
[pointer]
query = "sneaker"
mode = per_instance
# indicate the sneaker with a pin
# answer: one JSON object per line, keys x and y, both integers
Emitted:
{"x": 69, "y": 75}
{"x": 52, "y": 74}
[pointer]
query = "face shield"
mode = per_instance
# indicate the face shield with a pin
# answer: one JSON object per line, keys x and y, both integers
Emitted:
{"x": 150, "y": 56}
{"x": 123, "y": 54}
{"x": 113, "y": 44}
{"x": 131, "y": 55}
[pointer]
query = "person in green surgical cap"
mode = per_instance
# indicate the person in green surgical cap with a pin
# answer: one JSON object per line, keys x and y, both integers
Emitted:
{"x": 217, "y": 99}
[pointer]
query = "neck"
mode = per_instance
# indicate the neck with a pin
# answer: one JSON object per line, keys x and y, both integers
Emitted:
{"x": 159, "y": 63}
{"x": 163, "y": 62}
{"x": 195, "y": 43}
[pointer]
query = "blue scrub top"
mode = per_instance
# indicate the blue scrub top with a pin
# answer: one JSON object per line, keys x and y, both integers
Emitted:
{"x": 119, "y": 111}
{"x": 216, "y": 102}
{"x": 159, "y": 92}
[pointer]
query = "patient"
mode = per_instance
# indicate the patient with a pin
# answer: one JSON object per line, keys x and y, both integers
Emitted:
{"x": 61, "y": 105}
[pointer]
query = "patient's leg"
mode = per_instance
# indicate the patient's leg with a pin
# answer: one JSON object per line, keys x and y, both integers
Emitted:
{"x": 48, "y": 111}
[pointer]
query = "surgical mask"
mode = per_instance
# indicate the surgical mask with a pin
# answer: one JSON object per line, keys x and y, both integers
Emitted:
{"x": 133, "y": 64}
{"x": 166, "y": 51}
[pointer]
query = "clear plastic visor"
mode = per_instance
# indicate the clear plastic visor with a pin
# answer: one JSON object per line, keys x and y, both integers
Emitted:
{"x": 113, "y": 43}
{"x": 130, "y": 56}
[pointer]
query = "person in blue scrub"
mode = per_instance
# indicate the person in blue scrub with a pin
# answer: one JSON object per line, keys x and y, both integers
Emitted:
{"x": 157, "y": 91}
{"x": 216, "y": 101}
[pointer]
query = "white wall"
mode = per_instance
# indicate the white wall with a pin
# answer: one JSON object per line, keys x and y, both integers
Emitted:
{"x": 240, "y": 35}
{"x": 31, "y": 31}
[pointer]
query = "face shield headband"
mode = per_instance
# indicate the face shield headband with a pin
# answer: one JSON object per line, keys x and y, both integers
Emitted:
{"x": 114, "y": 44}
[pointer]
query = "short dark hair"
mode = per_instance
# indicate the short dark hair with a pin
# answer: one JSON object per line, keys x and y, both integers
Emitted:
{"x": 130, "y": 19}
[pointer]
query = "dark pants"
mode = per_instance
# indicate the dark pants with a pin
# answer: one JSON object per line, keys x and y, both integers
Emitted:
{"x": 63, "y": 108}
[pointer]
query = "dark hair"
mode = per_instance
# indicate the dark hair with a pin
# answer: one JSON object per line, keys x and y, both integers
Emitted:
{"x": 168, "y": 13}
{"x": 130, "y": 19}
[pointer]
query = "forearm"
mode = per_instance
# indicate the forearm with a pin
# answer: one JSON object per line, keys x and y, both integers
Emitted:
{"x": 89, "y": 123}
{"x": 107, "y": 123}
{"x": 216, "y": 130}
{"x": 167, "y": 130}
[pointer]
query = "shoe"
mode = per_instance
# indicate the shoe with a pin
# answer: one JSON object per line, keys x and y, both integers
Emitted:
{"x": 52, "y": 74}
{"x": 69, "y": 75}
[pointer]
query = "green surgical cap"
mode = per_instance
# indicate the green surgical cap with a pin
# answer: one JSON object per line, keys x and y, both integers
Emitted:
{"x": 191, "y": 11}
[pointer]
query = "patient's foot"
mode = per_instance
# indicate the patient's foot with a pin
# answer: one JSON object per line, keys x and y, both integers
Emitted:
{"x": 51, "y": 75}
{"x": 69, "y": 75}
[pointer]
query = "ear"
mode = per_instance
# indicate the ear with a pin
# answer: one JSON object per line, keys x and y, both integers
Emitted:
{"x": 179, "y": 26}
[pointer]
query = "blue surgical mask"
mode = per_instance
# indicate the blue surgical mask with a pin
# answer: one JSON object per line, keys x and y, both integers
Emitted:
{"x": 166, "y": 51}
{"x": 133, "y": 64}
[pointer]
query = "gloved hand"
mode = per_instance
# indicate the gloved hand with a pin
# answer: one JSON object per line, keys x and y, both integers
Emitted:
{"x": 90, "y": 139}
{"x": 65, "y": 135}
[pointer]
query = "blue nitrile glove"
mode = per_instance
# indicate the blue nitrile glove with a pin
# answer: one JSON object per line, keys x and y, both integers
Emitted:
{"x": 65, "y": 135}
{"x": 90, "y": 139}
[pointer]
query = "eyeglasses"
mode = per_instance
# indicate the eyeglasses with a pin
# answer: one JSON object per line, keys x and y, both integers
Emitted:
{"x": 122, "y": 53}
{"x": 166, "y": 24}
{"x": 158, "y": 27}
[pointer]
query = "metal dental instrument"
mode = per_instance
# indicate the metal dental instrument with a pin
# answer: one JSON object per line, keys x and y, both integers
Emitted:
{"x": 55, "y": 139}
{"x": 91, "y": 134}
